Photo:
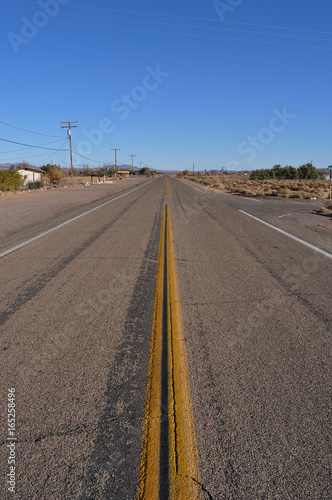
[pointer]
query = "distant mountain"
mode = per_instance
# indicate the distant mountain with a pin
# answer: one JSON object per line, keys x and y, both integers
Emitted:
{"x": 124, "y": 166}
{"x": 6, "y": 166}
{"x": 169, "y": 171}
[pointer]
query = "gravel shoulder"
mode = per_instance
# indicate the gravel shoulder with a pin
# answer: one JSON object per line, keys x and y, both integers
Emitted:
{"x": 21, "y": 210}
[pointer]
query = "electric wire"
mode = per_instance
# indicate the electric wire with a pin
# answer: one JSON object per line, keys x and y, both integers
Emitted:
{"x": 50, "y": 149}
{"x": 32, "y": 146}
{"x": 177, "y": 16}
{"x": 183, "y": 25}
{"x": 187, "y": 35}
{"x": 48, "y": 157}
{"x": 30, "y": 131}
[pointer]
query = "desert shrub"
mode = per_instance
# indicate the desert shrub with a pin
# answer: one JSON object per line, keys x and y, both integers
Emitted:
{"x": 10, "y": 180}
{"x": 306, "y": 195}
{"x": 284, "y": 193}
{"x": 327, "y": 210}
{"x": 318, "y": 193}
{"x": 56, "y": 174}
{"x": 35, "y": 185}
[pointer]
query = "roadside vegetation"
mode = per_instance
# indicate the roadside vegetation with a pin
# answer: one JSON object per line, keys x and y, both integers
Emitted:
{"x": 327, "y": 209}
{"x": 54, "y": 174}
{"x": 10, "y": 180}
{"x": 304, "y": 182}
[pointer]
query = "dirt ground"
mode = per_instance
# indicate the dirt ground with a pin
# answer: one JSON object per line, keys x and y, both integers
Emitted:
{"x": 19, "y": 209}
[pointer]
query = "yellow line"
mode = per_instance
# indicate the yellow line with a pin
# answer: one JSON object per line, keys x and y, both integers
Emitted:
{"x": 184, "y": 469}
{"x": 149, "y": 474}
{"x": 184, "y": 478}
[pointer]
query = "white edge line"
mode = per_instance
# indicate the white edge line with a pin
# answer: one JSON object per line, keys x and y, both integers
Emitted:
{"x": 187, "y": 184}
{"x": 316, "y": 249}
{"x": 252, "y": 199}
{"x": 10, "y": 250}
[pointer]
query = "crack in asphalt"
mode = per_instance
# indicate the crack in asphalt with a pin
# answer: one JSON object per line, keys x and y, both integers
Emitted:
{"x": 201, "y": 485}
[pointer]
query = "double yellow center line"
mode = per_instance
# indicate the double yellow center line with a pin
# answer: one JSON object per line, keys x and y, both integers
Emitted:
{"x": 169, "y": 460}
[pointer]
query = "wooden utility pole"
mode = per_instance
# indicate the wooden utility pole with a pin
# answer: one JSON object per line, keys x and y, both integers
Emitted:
{"x": 330, "y": 172}
{"x": 115, "y": 150}
{"x": 69, "y": 126}
{"x": 132, "y": 162}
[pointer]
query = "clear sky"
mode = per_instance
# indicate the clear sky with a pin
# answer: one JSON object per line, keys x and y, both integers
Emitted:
{"x": 242, "y": 84}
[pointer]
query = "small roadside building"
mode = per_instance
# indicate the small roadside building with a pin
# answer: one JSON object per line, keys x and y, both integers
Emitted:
{"x": 123, "y": 172}
{"x": 30, "y": 174}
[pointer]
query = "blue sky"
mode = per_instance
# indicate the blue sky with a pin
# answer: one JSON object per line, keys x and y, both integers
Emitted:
{"x": 215, "y": 83}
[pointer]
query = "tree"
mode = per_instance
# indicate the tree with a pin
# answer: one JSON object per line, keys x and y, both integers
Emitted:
{"x": 307, "y": 171}
{"x": 56, "y": 173}
{"x": 23, "y": 164}
{"x": 278, "y": 171}
{"x": 291, "y": 172}
{"x": 10, "y": 180}
{"x": 46, "y": 168}
{"x": 86, "y": 169}
{"x": 144, "y": 171}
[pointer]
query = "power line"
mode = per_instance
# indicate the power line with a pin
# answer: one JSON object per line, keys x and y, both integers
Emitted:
{"x": 32, "y": 156}
{"x": 32, "y": 146}
{"x": 187, "y": 35}
{"x": 30, "y": 131}
{"x": 184, "y": 26}
{"x": 23, "y": 149}
{"x": 177, "y": 16}
{"x": 46, "y": 148}
{"x": 87, "y": 158}
{"x": 48, "y": 157}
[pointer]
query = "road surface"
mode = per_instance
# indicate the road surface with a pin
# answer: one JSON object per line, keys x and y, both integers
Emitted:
{"x": 78, "y": 308}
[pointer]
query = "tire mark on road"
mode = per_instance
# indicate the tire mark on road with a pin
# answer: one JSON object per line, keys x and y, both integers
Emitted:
{"x": 116, "y": 454}
{"x": 33, "y": 289}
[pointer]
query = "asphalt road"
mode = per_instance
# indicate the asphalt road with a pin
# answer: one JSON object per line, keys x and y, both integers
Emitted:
{"x": 77, "y": 308}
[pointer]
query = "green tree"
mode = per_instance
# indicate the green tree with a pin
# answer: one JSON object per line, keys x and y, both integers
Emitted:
{"x": 10, "y": 180}
{"x": 291, "y": 172}
{"x": 46, "y": 168}
{"x": 278, "y": 171}
{"x": 307, "y": 171}
{"x": 144, "y": 171}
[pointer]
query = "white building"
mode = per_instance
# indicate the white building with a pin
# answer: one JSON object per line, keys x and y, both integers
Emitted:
{"x": 30, "y": 174}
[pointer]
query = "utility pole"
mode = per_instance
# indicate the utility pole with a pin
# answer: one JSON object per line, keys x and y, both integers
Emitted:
{"x": 193, "y": 169}
{"x": 140, "y": 164}
{"x": 330, "y": 171}
{"x": 115, "y": 150}
{"x": 69, "y": 126}
{"x": 132, "y": 162}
